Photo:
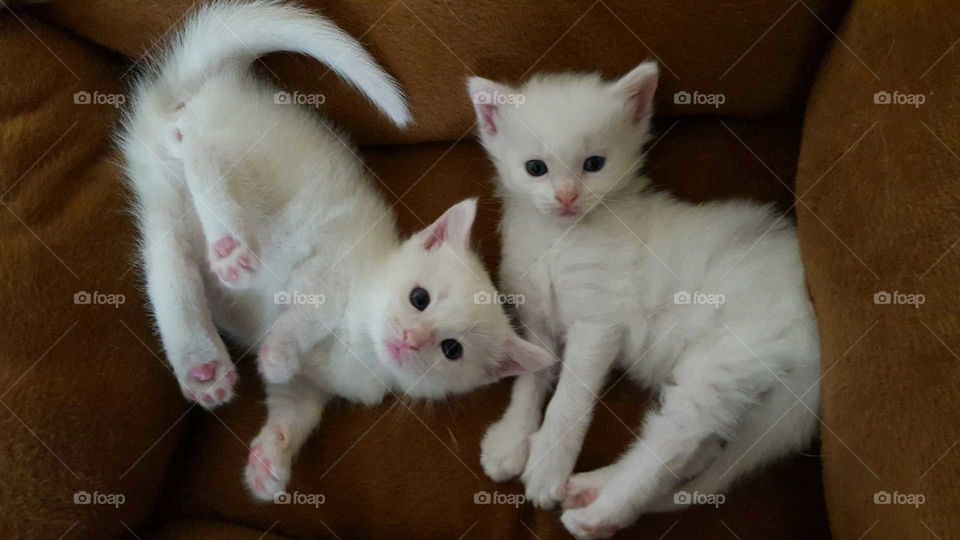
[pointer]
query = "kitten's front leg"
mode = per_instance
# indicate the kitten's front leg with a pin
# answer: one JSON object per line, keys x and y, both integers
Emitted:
{"x": 506, "y": 444}
{"x": 591, "y": 349}
{"x": 293, "y": 334}
{"x": 294, "y": 410}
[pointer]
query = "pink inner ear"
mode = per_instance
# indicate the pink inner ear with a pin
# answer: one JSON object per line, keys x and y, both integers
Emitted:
{"x": 642, "y": 98}
{"x": 486, "y": 112}
{"x": 508, "y": 367}
{"x": 437, "y": 235}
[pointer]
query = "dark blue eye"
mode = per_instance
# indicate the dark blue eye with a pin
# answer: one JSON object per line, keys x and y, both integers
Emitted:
{"x": 452, "y": 349}
{"x": 420, "y": 298}
{"x": 536, "y": 167}
{"x": 594, "y": 163}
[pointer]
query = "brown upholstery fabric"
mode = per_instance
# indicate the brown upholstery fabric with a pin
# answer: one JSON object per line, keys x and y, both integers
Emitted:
{"x": 881, "y": 185}
{"x": 85, "y": 406}
{"x": 431, "y": 47}
{"x": 203, "y": 530}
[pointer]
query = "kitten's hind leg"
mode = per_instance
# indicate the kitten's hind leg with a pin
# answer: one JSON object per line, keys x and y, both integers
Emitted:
{"x": 294, "y": 410}
{"x": 715, "y": 390}
{"x": 226, "y": 222}
{"x": 172, "y": 256}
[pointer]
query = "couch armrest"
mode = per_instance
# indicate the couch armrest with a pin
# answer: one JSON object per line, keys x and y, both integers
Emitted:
{"x": 879, "y": 219}
{"x": 89, "y": 415}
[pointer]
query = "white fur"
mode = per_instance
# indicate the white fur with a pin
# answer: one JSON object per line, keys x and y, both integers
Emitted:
{"x": 737, "y": 383}
{"x": 214, "y": 161}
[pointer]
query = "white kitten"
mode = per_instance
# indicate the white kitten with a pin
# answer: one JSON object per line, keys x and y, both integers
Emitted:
{"x": 256, "y": 219}
{"x": 704, "y": 303}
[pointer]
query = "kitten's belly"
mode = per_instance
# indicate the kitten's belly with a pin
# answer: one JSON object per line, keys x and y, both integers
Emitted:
{"x": 348, "y": 371}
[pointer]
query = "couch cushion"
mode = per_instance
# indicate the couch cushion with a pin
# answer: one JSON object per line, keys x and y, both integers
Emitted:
{"x": 189, "y": 529}
{"x": 86, "y": 407}
{"x": 880, "y": 182}
{"x": 414, "y": 467}
{"x": 760, "y": 55}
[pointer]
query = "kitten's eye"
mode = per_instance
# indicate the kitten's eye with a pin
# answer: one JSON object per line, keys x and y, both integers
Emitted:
{"x": 452, "y": 349}
{"x": 536, "y": 167}
{"x": 420, "y": 298}
{"x": 594, "y": 163}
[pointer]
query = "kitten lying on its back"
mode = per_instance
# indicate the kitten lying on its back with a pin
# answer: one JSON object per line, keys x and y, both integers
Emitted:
{"x": 257, "y": 220}
{"x": 706, "y": 304}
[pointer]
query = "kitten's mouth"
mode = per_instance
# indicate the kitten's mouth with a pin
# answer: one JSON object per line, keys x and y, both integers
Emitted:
{"x": 400, "y": 352}
{"x": 567, "y": 212}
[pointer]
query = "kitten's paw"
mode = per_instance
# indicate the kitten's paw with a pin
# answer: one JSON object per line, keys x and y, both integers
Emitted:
{"x": 504, "y": 450}
{"x": 209, "y": 383}
{"x": 268, "y": 465}
{"x": 582, "y": 488}
{"x": 233, "y": 261}
{"x": 547, "y": 470}
{"x": 278, "y": 361}
{"x": 598, "y": 520}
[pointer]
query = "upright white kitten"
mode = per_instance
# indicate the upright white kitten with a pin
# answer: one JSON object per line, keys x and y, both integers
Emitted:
{"x": 256, "y": 219}
{"x": 704, "y": 303}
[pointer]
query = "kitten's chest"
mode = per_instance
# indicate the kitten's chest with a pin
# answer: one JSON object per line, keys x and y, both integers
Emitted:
{"x": 348, "y": 369}
{"x": 591, "y": 279}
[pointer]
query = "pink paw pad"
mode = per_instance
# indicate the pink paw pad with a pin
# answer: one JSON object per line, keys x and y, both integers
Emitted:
{"x": 204, "y": 372}
{"x": 225, "y": 245}
{"x": 233, "y": 262}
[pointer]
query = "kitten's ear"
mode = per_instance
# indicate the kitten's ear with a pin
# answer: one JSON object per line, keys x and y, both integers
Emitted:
{"x": 483, "y": 95}
{"x": 452, "y": 227}
{"x": 638, "y": 88}
{"x": 520, "y": 356}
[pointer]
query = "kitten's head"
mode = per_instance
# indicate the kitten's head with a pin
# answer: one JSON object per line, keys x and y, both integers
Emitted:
{"x": 435, "y": 326}
{"x": 566, "y": 142}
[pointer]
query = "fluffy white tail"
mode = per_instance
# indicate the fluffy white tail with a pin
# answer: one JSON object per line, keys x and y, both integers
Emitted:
{"x": 226, "y": 34}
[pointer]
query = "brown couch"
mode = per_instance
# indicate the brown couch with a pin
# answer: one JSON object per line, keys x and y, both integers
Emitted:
{"x": 87, "y": 403}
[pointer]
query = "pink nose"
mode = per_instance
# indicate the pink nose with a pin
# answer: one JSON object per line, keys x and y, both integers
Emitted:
{"x": 566, "y": 197}
{"x": 413, "y": 338}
